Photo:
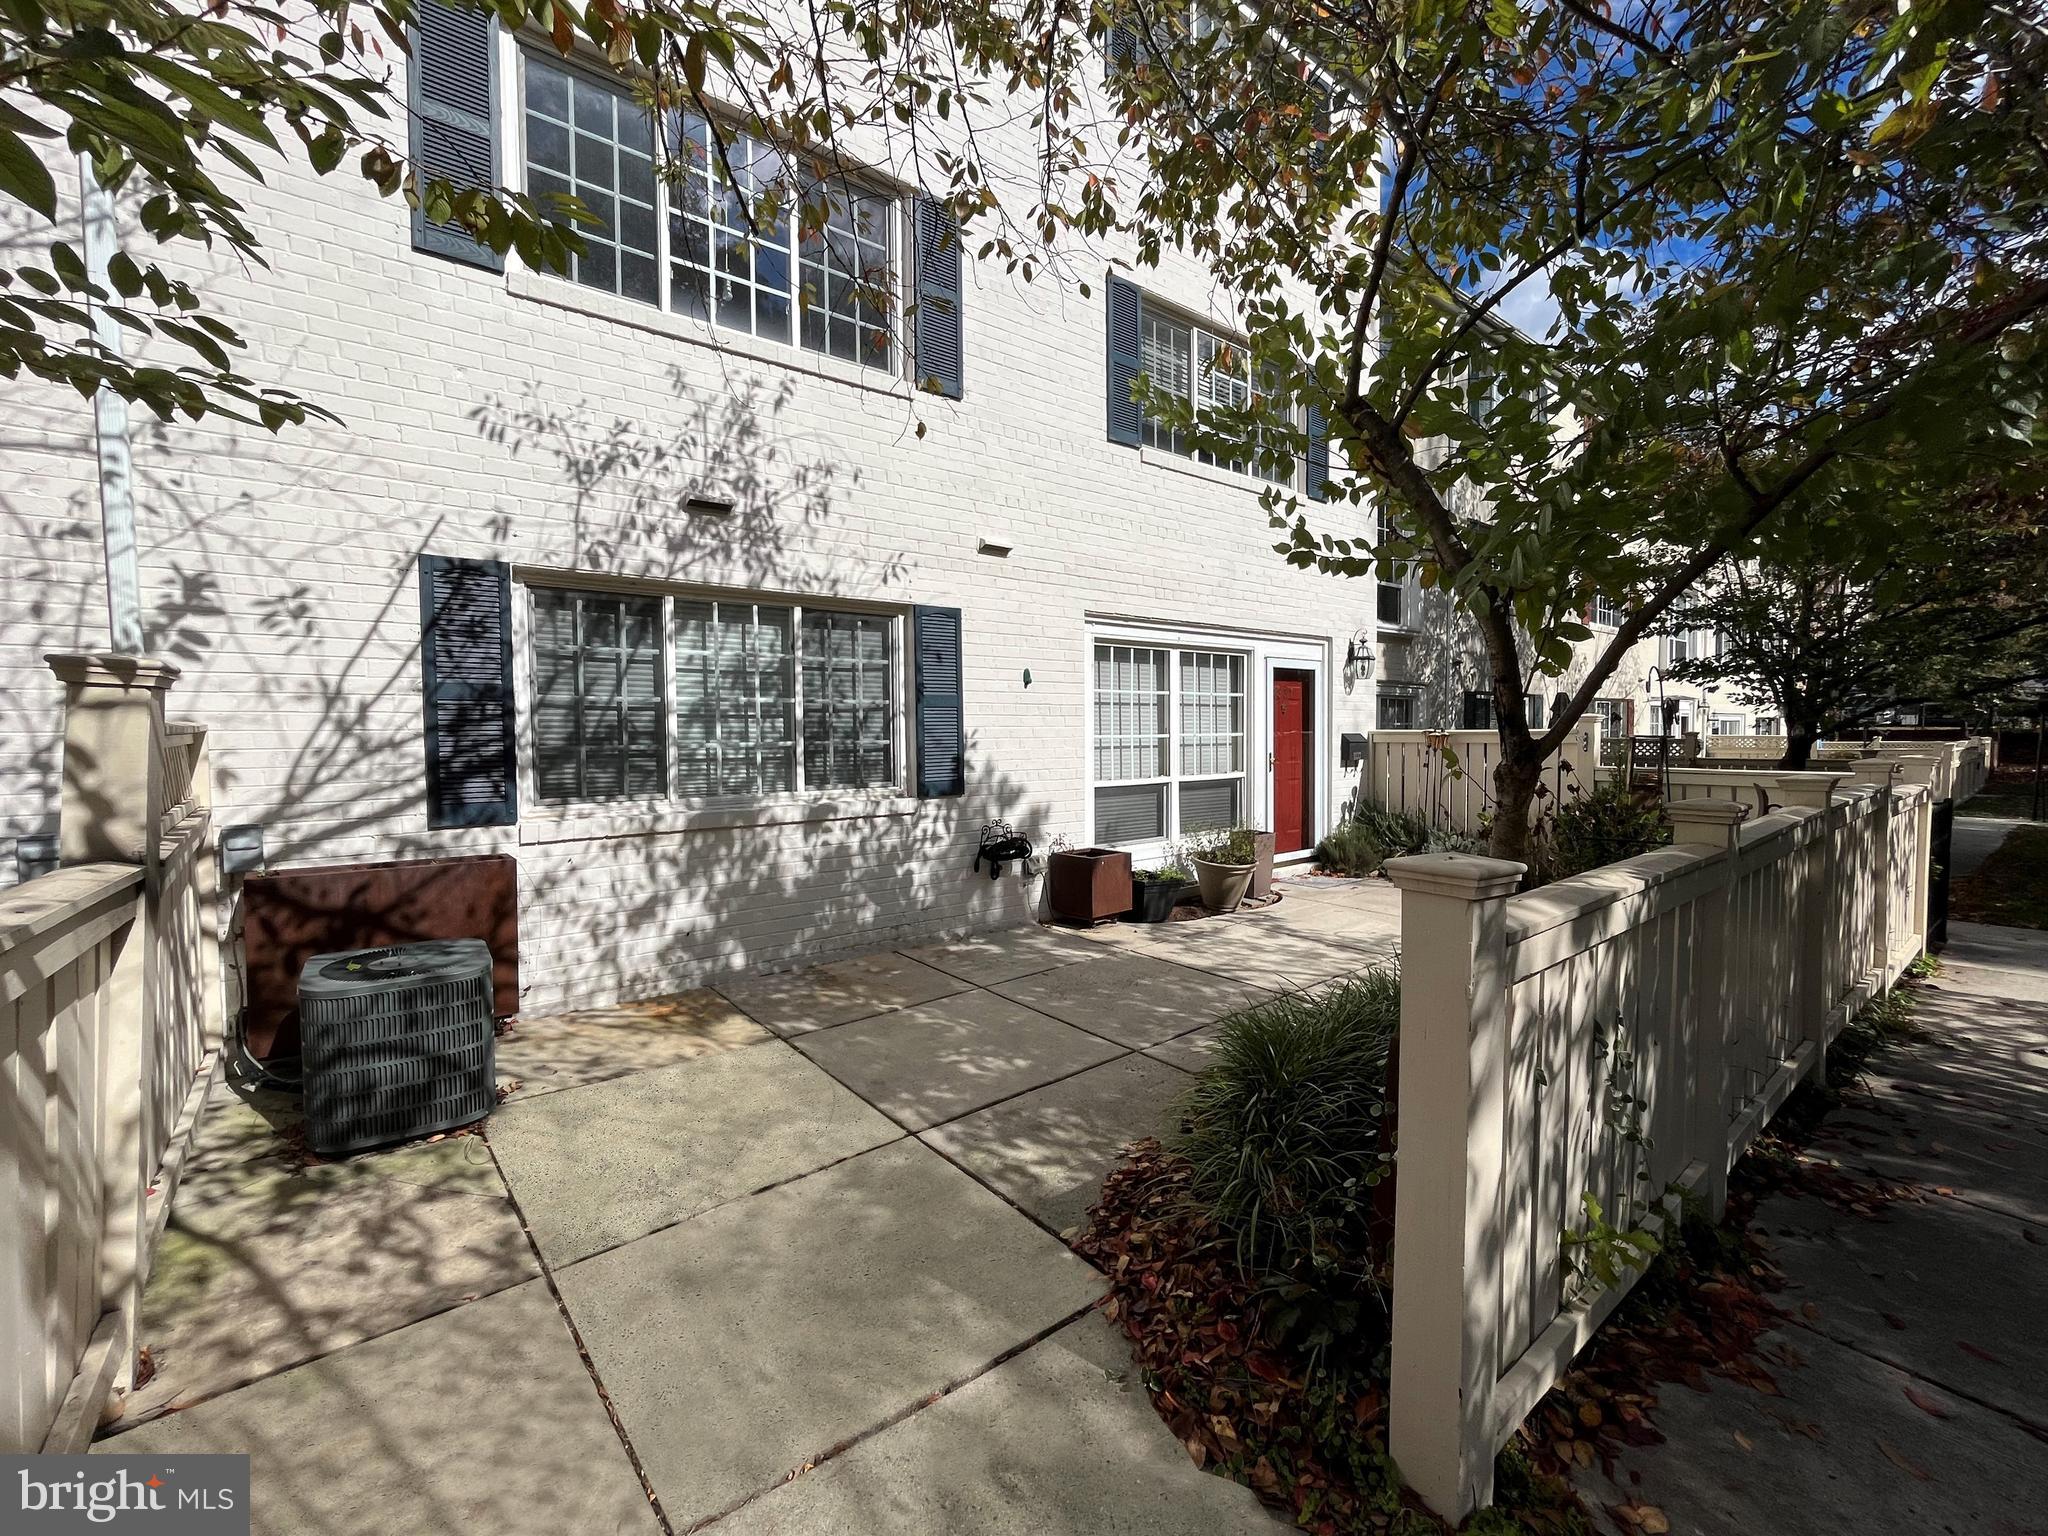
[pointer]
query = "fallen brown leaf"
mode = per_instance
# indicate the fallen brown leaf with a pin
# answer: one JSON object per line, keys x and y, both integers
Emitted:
{"x": 1925, "y": 1403}
{"x": 1978, "y": 1353}
{"x": 1899, "y": 1460}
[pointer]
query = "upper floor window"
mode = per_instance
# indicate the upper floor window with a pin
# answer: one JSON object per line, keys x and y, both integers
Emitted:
{"x": 1393, "y": 581}
{"x": 651, "y": 698}
{"x": 741, "y": 240}
{"x": 594, "y": 142}
{"x": 1612, "y": 715}
{"x": 1213, "y": 374}
{"x": 1608, "y": 612}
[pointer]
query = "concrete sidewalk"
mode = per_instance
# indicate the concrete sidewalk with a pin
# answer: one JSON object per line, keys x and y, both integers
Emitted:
{"x": 781, "y": 1257}
{"x": 1913, "y": 1365}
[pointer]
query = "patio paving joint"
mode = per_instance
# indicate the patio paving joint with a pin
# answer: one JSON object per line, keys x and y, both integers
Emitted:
{"x": 611, "y": 1412}
{"x": 901, "y": 1415}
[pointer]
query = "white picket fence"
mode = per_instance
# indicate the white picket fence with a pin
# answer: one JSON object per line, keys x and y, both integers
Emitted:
{"x": 1624, "y": 1034}
{"x": 1447, "y": 776}
{"x": 109, "y": 1025}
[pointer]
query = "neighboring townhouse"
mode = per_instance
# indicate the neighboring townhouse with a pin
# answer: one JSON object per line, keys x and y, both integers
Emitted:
{"x": 664, "y": 578}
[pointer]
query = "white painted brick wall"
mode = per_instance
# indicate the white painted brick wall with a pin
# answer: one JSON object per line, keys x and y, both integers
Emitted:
{"x": 279, "y": 571}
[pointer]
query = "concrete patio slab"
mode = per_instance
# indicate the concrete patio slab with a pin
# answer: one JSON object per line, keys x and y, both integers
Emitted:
{"x": 924, "y": 1066}
{"x": 1268, "y": 955}
{"x": 264, "y": 1266}
{"x": 1346, "y": 922}
{"x": 480, "y": 1419}
{"x": 598, "y": 1166}
{"x": 1061, "y": 1441}
{"x": 1006, "y": 954}
{"x": 819, "y": 996}
{"x": 1997, "y": 962}
{"x": 594, "y": 1045}
{"x": 1189, "y": 1052}
{"x": 1049, "y": 1149}
{"x": 1133, "y": 999}
{"x": 792, "y": 1320}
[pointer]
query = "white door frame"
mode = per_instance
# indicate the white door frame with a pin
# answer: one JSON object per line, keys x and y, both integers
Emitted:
{"x": 1266, "y": 653}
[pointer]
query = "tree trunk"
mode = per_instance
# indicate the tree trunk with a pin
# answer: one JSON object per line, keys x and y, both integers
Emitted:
{"x": 1799, "y": 740}
{"x": 1515, "y": 778}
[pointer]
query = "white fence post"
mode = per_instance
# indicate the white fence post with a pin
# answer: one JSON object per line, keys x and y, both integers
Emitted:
{"x": 1883, "y": 772}
{"x": 112, "y": 811}
{"x": 1453, "y": 1070}
{"x": 1814, "y": 792}
{"x": 1712, "y": 824}
{"x": 1924, "y": 772}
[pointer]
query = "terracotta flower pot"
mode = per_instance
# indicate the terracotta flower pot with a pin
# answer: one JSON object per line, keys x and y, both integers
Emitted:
{"x": 1223, "y": 885}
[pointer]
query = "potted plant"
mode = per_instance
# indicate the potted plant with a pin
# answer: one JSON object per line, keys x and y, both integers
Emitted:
{"x": 1155, "y": 891}
{"x": 1223, "y": 860}
{"x": 1088, "y": 885}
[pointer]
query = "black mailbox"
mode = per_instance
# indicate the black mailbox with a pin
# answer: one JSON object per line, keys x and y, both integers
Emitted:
{"x": 1352, "y": 749}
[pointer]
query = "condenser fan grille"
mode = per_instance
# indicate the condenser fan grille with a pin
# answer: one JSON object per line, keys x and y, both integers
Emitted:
{"x": 397, "y": 1042}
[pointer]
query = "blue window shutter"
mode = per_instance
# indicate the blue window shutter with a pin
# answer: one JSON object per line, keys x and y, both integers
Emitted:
{"x": 939, "y": 342}
{"x": 1318, "y": 455}
{"x": 466, "y": 667}
{"x": 1119, "y": 49}
{"x": 941, "y": 729}
{"x": 454, "y": 101}
{"x": 1126, "y": 361}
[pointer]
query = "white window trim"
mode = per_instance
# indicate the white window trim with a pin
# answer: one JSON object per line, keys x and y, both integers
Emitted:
{"x": 550, "y": 822}
{"x": 1267, "y": 650}
{"x": 560, "y": 291}
{"x": 1189, "y": 463}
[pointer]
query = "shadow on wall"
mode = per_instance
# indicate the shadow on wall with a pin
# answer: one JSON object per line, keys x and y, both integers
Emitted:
{"x": 289, "y": 596}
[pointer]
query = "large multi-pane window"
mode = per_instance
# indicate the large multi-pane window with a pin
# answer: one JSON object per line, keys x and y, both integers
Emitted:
{"x": 1607, "y": 612}
{"x": 594, "y": 143}
{"x": 695, "y": 698}
{"x": 848, "y": 720}
{"x": 1612, "y": 715}
{"x": 597, "y": 697}
{"x": 1169, "y": 741}
{"x": 740, "y": 239}
{"x": 735, "y": 682}
{"x": 1726, "y": 725}
{"x": 1213, "y": 374}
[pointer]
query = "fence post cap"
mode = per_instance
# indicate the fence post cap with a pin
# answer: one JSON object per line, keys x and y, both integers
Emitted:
{"x": 1806, "y": 789}
{"x": 1877, "y": 770}
{"x": 1464, "y": 875}
{"x": 107, "y": 669}
{"x": 1711, "y": 813}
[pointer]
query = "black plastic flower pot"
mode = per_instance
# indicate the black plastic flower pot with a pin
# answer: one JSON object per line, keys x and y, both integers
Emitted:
{"x": 1152, "y": 901}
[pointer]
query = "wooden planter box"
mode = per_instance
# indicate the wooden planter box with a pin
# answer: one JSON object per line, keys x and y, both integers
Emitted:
{"x": 1088, "y": 885}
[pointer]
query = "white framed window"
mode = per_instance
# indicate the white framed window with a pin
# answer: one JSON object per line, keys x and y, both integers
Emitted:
{"x": 1769, "y": 725}
{"x": 1397, "y": 710}
{"x": 1607, "y": 613}
{"x": 1727, "y": 725}
{"x": 1612, "y": 715}
{"x": 1394, "y": 596}
{"x": 1212, "y": 372}
{"x": 1170, "y": 726}
{"x": 694, "y": 698}
{"x": 742, "y": 240}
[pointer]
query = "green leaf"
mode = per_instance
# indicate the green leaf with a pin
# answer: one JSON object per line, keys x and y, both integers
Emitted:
{"x": 23, "y": 174}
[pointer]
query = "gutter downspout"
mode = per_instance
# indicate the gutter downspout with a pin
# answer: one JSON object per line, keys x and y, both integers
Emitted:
{"x": 110, "y": 427}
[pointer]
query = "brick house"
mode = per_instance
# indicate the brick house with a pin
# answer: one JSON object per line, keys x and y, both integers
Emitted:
{"x": 648, "y": 576}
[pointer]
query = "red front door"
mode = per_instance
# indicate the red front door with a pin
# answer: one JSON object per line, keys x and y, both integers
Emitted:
{"x": 1294, "y": 735}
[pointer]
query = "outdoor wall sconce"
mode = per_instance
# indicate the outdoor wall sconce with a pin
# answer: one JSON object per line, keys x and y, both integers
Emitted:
{"x": 1358, "y": 656}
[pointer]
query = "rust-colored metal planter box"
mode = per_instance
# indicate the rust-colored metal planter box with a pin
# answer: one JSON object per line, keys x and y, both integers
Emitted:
{"x": 1088, "y": 885}
{"x": 291, "y": 915}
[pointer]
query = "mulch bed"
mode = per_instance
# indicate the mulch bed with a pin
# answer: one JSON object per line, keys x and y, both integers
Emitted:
{"x": 1313, "y": 1444}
